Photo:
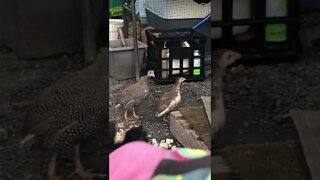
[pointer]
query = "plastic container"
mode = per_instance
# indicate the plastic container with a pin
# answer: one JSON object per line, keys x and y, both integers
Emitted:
{"x": 115, "y": 8}
{"x": 115, "y": 3}
{"x": 176, "y": 52}
{"x": 276, "y": 32}
{"x": 241, "y": 10}
{"x": 121, "y": 59}
{"x": 273, "y": 33}
{"x": 164, "y": 14}
{"x": 113, "y": 28}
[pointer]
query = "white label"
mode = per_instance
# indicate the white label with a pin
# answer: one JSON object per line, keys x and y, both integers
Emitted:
{"x": 276, "y": 8}
{"x": 196, "y": 62}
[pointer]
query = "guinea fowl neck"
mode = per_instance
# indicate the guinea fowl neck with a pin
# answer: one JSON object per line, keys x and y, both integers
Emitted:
{"x": 101, "y": 65}
{"x": 144, "y": 79}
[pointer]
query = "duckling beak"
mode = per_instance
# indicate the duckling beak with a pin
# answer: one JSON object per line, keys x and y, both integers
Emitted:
{"x": 184, "y": 81}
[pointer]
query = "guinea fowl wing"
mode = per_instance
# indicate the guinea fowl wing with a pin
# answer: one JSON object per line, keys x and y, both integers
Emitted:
{"x": 51, "y": 110}
{"x": 134, "y": 94}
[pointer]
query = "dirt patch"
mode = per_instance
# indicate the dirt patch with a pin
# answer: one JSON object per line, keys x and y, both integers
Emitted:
{"x": 276, "y": 161}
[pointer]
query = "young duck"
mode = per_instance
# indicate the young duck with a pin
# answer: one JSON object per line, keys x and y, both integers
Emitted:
{"x": 170, "y": 99}
{"x": 134, "y": 95}
{"x": 223, "y": 60}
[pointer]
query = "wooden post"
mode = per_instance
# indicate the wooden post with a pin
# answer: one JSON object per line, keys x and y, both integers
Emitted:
{"x": 135, "y": 40}
{"x": 88, "y": 28}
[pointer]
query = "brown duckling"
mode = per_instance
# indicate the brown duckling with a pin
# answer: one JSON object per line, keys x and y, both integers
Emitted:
{"x": 170, "y": 99}
{"x": 224, "y": 59}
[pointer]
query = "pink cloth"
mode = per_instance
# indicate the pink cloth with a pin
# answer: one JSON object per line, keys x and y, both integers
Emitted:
{"x": 136, "y": 161}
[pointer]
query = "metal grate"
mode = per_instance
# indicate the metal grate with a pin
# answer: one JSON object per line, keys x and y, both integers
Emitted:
{"x": 254, "y": 42}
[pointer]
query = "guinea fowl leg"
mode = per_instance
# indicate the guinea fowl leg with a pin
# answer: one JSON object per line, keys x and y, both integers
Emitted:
{"x": 166, "y": 118}
{"x": 83, "y": 174}
{"x": 52, "y": 168}
{"x": 126, "y": 118}
{"x": 135, "y": 116}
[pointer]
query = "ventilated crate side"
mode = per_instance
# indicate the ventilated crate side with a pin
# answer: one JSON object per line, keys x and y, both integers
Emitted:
{"x": 159, "y": 40}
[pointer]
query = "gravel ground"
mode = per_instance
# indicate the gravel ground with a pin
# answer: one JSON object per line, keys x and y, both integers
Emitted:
{"x": 156, "y": 128}
{"x": 258, "y": 99}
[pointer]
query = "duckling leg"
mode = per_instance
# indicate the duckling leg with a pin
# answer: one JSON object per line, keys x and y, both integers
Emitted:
{"x": 83, "y": 174}
{"x": 135, "y": 116}
{"x": 52, "y": 168}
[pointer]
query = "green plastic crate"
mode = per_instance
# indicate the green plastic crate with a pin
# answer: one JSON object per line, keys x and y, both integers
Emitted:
{"x": 116, "y": 11}
{"x": 115, "y": 8}
{"x": 115, "y": 3}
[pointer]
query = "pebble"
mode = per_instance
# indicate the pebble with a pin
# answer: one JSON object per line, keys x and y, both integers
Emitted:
{"x": 4, "y": 135}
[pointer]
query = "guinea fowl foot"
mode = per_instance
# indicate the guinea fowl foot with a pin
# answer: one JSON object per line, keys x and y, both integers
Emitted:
{"x": 80, "y": 171}
{"x": 135, "y": 116}
{"x": 52, "y": 168}
{"x": 166, "y": 119}
{"x": 125, "y": 116}
{"x": 85, "y": 174}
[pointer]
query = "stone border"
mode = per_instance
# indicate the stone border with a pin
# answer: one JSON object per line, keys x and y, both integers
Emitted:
{"x": 181, "y": 129}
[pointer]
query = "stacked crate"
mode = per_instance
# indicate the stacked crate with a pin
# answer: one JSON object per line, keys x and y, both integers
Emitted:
{"x": 115, "y": 8}
{"x": 176, "y": 52}
{"x": 270, "y": 34}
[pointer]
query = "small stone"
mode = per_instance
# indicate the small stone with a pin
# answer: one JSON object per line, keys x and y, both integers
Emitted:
{"x": 174, "y": 147}
{"x": 120, "y": 126}
{"x": 246, "y": 124}
{"x": 4, "y": 135}
{"x": 164, "y": 145}
{"x": 154, "y": 141}
{"x": 169, "y": 141}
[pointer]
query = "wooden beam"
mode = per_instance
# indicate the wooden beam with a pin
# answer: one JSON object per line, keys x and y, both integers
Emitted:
{"x": 308, "y": 126}
{"x": 88, "y": 28}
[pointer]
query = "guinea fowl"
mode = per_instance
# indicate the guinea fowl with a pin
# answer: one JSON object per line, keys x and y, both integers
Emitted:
{"x": 67, "y": 113}
{"x": 170, "y": 99}
{"x": 134, "y": 95}
{"x": 224, "y": 58}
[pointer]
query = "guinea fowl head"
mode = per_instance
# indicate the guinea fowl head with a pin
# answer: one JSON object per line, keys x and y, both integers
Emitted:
{"x": 150, "y": 73}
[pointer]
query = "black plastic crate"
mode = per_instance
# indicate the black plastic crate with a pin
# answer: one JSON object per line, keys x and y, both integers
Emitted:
{"x": 170, "y": 56}
{"x": 259, "y": 46}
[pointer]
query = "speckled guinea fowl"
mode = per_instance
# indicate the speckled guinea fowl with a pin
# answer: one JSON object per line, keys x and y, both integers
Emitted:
{"x": 134, "y": 95}
{"x": 222, "y": 60}
{"x": 69, "y": 112}
{"x": 169, "y": 100}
